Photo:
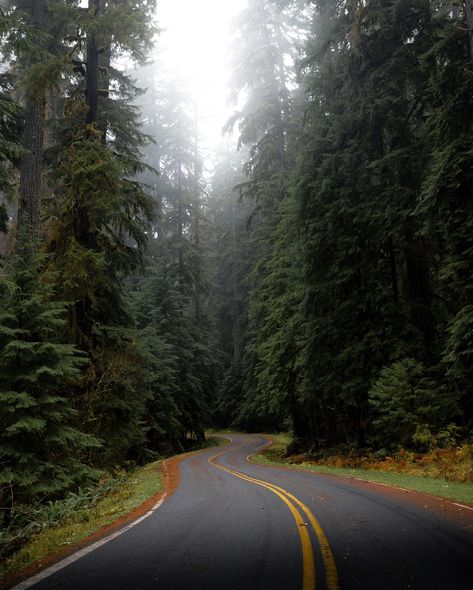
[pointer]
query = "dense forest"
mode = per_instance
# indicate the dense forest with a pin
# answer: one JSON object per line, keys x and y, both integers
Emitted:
{"x": 316, "y": 276}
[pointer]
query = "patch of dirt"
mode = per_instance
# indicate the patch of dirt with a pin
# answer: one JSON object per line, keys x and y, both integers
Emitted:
{"x": 170, "y": 471}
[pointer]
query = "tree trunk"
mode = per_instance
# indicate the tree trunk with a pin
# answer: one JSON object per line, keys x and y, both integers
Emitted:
{"x": 180, "y": 224}
{"x": 92, "y": 71}
{"x": 300, "y": 426}
{"x": 196, "y": 214}
{"x": 31, "y": 165}
{"x": 330, "y": 418}
{"x": 420, "y": 295}
{"x": 105, "y": 59}
{"x": 92, "y": 81}
{"x": 394, "y": 277}
{"x": 469, "y": 23}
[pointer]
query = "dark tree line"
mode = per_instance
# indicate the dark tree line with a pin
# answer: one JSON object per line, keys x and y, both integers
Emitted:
{"x": 358, "y": 319}
{"x": 107, "y": 351}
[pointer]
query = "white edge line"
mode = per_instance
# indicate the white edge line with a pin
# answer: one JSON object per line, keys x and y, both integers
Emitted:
{"x": 79, "y": 554}
{"x": 379, "y": 483}
{"x": 388, "y": 485}
{"x": 265, "y": 446}
{"x": 462, "y": 506}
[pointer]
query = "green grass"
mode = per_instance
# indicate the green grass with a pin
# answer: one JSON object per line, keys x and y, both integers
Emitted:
{"x": 138, "y": 486}
{"x": 280, "y": 443}
{"x": 456, "y": 491}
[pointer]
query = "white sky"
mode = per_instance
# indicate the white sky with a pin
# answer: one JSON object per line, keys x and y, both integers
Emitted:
{"x": 195, "y": 42}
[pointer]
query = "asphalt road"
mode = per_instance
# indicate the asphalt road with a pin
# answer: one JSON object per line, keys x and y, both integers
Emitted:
{"x": 232, "y": 525}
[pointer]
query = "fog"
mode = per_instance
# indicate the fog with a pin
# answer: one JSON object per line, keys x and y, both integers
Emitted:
{"x": 194, "y": 44}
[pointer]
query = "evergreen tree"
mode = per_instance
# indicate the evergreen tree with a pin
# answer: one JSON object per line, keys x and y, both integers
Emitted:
{"x": 42, "y": 453}
{"x": 275, "y": 389}
{"x": 445, "y": 198}
{"x": 171, "y": 298}
{"x": 373, "y": 276}
{"x": 10, "y": 129}
{"x": 269, "y": 125}
{"x": 233, "y": 249}
{"x": 97, "y": 228}
{"x": 368, "y": 267}
{"x": 34, "y": 47}
{"x": 260, "y": 49}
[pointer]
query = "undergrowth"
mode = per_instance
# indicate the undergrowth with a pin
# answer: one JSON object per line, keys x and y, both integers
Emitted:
{"x": 24, "y": 522}
{"x": 443, "y": 472}
{"x": 452, "y": 464}
{"x": 35, "y": 533}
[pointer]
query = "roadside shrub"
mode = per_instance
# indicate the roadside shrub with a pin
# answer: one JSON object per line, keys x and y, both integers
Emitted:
{"x": 410, "y": 409}
{"x": 458, "y": 355}
{"x": 447, "y": 437}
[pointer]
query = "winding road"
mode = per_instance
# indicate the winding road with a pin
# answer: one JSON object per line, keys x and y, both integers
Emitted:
{"x": 232, "y": 525}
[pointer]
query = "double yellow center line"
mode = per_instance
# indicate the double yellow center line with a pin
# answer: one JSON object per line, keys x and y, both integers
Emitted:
{"x": 297, "y": 507}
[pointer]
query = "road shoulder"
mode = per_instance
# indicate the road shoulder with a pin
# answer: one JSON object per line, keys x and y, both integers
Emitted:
{"x": 167, "y": 473}
{"x": 453, "y": 508}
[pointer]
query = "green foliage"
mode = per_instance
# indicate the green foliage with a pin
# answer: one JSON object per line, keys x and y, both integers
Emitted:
{"x": 447, "y": 437}
{"x": 411, "y": 407}
{"x": 111, "y": 395}
{"x": 181, "y": 359}
{"x": 330, "y": 291}
{"x": 97, "y": 236}
{"x": 10, "y": 130}
{"x": 170, "y": 298}
{"x": 234, "y": 250}
{"x": 98, "y": 232}
{"x": 373, "y": 264}
{"x": 25, "y": 524}
{"x": 275, "y": 388}
{"x": 261, "y": 48}
{"x": 128, "y": 24}
{"x": 458, "y": 355}
{"x": 97, "y": 226}
{"x": 40, "y": 447}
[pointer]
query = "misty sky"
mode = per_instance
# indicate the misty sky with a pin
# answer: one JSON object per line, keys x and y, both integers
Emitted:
{"x": 196, "y": 42}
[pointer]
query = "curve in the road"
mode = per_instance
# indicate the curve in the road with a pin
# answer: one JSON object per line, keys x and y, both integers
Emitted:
{"x": 294, "y": 504}
{"x": 234, "y": 525}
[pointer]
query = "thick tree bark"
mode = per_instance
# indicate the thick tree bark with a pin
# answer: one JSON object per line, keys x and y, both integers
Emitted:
{"x": 469, "y": 22}
{"x": 31, "y": 165}
{"x": 31, "y": 168}
{"x": 92, "y": 70}
{"x": 105, "y": 59}
{"x": 92, "y": 81}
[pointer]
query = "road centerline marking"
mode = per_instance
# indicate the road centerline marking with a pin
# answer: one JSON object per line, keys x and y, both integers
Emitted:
{"x": 333, "y": 582}
{"x": 308, "y": 576}
{"x": 331, "y": 573}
